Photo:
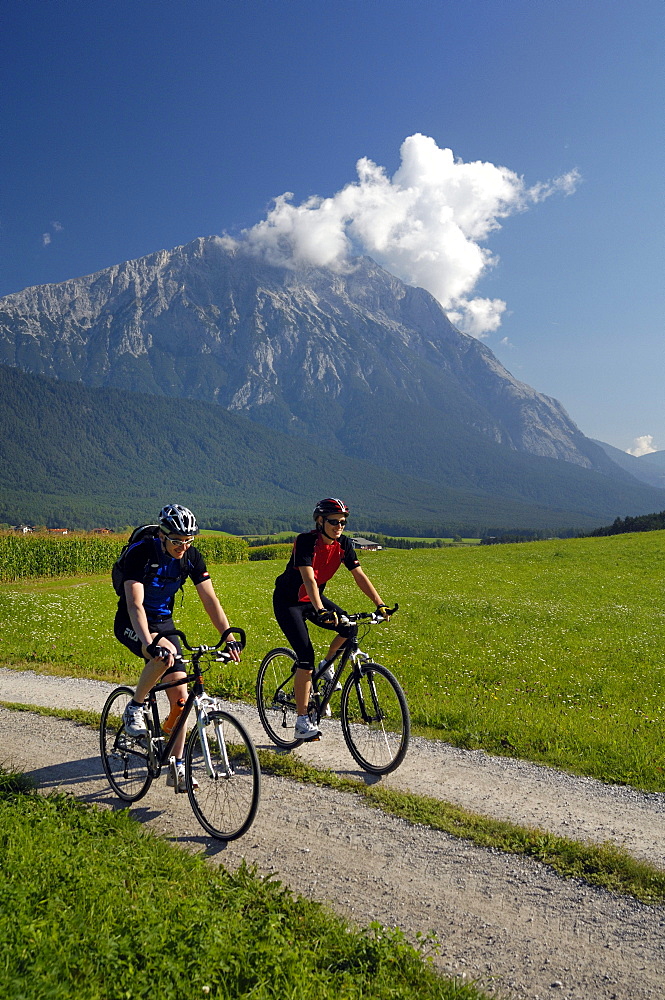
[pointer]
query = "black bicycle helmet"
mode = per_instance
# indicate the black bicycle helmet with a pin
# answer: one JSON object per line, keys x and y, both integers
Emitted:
{"x": 178, "y": 519}
{"x": 331, "y": 505}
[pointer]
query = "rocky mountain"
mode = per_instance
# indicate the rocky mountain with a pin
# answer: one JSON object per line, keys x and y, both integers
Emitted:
{"x": 357, "y": 362}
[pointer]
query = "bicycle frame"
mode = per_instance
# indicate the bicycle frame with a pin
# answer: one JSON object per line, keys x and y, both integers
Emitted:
{"x": 220, "y": 770}
{"x": 349, "y": 650}
{"x": 373, "y": 712}
{"x": 199, "y": 700}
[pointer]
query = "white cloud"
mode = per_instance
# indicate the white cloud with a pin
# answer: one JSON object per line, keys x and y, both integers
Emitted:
{"x": 425, "y": 224}
{"x": 47, "y": 238}
{"x": 642, "y": 446}
{"x": 478, "y": 316}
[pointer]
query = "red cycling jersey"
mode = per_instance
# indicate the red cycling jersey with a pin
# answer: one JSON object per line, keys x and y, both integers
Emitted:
{"x": 309, "y": 549}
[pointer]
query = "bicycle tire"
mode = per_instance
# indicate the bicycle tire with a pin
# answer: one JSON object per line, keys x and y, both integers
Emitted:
{"x": 225, "y": 804}
{"x": 275, "y": 697}
{"x": 124, "y": 758}
{"x": 377, "y": 737}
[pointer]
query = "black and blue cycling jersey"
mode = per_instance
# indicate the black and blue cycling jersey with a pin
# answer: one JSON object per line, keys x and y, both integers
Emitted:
{"x": 161, "y": 575}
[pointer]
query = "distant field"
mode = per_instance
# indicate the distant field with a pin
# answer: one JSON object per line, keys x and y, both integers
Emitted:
{"x": 281, "y": 536}
{"x": 550, "y": 651}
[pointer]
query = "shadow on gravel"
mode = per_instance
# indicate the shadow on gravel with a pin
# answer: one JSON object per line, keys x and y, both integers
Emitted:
{"x": 341, "y": 772}
{"x": 73, "y": 772}
{"x": 79, "y": 773}
{"x": 211, "y": 848}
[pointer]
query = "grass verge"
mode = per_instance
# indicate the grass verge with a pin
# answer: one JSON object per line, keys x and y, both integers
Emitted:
{"x": 94, "y": 906}
{"x": 602, "y": 865}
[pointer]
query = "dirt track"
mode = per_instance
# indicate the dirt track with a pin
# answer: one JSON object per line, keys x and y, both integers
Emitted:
{"x": 505, "y": 921}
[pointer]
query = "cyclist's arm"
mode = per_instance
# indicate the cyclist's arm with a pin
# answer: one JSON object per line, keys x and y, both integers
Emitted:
{"x": 214, "y": 610}
{"x": 366, "y": 585}
{"x": 311, "y": 586}
{"x": 134, "y": 593}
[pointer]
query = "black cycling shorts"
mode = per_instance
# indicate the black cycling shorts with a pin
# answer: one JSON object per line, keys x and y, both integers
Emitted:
{"x": 293, "y": 618}
{"x": 124, "y": 633}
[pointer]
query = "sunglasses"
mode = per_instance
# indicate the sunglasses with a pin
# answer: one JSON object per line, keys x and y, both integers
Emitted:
{"x": 336, "y": 521}
{"x": 182, "y": 543}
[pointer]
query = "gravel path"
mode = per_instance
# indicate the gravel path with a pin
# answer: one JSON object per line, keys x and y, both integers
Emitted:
{"x": 503, "y": 920}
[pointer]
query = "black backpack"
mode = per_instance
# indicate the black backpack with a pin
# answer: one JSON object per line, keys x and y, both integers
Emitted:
{"x": 137, "y": 535}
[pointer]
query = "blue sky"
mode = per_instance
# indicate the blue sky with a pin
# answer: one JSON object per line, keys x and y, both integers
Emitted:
{"x": 128, "y": 127}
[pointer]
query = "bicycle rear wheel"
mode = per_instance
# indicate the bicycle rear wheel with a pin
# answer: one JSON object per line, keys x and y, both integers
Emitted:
{"x": 226, "y": 800}
{"x": 275, "y": 697}
{"x": 124, "y": 758}
{"x": 375, "y": 719}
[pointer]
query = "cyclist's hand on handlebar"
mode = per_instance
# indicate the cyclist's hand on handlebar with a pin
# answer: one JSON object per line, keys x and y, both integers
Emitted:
{"x": 384, "y": 611}
{"x": 156, "y": 652}
{"x": 233, "y": 648}
{"x": 325, "y": 617}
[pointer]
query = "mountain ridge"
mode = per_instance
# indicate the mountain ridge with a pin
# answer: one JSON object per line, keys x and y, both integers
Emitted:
{"x": 648, "y": 468}
{"x": 353, "y": 363}
{"x": 104, "y": 327}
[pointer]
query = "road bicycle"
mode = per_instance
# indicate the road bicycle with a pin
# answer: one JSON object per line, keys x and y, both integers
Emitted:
{"x": 373, "y": 711}
{"x": 222, "y": 773}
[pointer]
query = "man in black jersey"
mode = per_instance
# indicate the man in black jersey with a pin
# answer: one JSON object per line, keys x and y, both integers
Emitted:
{"x": 154, "y": 570}
{"x": 298, "y": 597}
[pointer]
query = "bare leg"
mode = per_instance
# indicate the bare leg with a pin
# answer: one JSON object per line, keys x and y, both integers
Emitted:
{"x": 151, "y": 675}
{"x": 175, "y": 693}
{"x": 337, "y": 642}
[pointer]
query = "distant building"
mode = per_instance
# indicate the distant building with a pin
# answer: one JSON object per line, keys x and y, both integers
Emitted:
{"x": 365, "y": 544}
{"x": 100, "y": 531}
{"x": 58, "y": 531}
{"x": 23, "y": 528}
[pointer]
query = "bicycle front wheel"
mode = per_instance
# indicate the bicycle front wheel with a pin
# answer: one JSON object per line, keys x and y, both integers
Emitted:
{"x": 275, "y": 697}
{"x": 222, "y": 775}
{"x": 375, "y": 719}
{"x": 124, "y": 758}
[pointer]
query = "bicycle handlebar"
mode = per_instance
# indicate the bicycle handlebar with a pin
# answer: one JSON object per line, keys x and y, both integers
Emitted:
{"x": 206, "y": 649}
{"x": 372, "y": 617}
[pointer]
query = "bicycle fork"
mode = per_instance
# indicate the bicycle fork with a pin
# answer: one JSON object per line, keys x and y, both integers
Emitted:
{"x": 203, "y": 716}
{"x": 359, "y": 658}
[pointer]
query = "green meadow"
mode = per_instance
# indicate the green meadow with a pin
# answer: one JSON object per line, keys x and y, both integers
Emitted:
{"x": 549, "y": 651}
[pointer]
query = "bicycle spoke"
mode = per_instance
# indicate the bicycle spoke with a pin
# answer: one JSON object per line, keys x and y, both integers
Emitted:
{"x": 375, "y": 719}
{"x": 275, "y": 697}
{"x": 223, "y": 776}
{"x": 124, "y": 758}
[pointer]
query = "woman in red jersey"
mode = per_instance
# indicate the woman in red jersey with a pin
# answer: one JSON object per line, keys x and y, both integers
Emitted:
{"x": 299, "y": 598}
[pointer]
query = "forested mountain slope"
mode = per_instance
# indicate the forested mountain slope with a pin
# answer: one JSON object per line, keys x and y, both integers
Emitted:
{"x": 79, "y": 457}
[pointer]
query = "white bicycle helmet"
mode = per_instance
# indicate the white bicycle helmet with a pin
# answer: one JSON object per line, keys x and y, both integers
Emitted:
{"x": 178, "y": 519}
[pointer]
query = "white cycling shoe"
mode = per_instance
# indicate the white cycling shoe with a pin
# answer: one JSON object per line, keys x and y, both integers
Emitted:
{"x": 305, "y": 729}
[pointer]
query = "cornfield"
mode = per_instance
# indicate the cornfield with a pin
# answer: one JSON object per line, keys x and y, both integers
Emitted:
{"x": 27, "y": 557}
{"x": 279, "y": 551}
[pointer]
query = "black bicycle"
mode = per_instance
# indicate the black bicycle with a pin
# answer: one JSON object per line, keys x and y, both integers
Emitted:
{"x": 222, "y": 773}
{"x": 373, "y": 711}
